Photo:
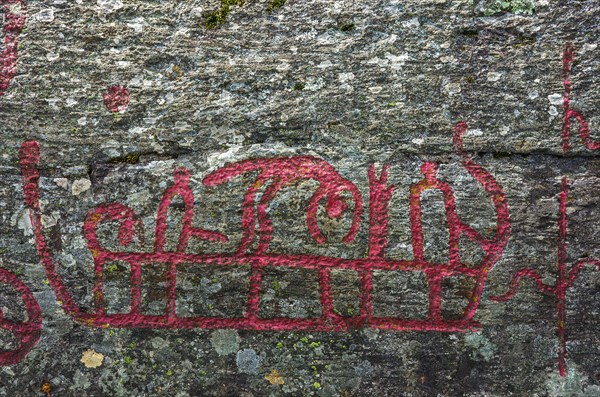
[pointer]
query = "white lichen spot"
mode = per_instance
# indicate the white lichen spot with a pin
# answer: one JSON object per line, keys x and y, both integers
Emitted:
{"x": 247, "y": 361}
{"x": 108, "y": 6}
{"x": 225, "y": 341}
{"x": 418, "y": 141}
{"x": 552, "y": 111}
{"x": 71, "y": 102}
{"x": 82, "y": 121}
{"x": 23, "y": 221}
{"x": 345, "y": 77}
{"x": 533, "y": 94}
{"x": 412, "y": 23}
{"x": 481, "y": 345}
{"x": 80, "y": 185}
{"x": 92, "y": 359}
{"x": 504, "y": 130}
{"x": 452, "y": 88}
{"x": 494, "y": 76}
{"x": 574, "y": 384}
{"x": 137, "y": 24}
{"x": 325, "y": 64}
{"x": 364, "y": 368}
{"x": 375, "y": 89}
{"x": 52, "y": 56}
{"x": 15, "y": 8}
{"x": 555, "y": 99}
{"x": 397, "y": 61}
{"x": 45, "y": 15}
{"x": 61, "y": 182}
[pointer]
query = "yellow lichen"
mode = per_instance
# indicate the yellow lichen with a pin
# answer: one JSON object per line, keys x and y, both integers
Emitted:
{"x": 92, "y": 359}
{"x": 274, "y": 378}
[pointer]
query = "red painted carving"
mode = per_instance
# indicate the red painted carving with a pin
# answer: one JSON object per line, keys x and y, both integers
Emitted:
{"x": 28, "y": 332}
{"x": 569, "y": 114}
{"x": 564, "y": 277}
{"x": 116, "y": 99}
{"x": 14, "y": 19}
{"x": 273, "y": 174}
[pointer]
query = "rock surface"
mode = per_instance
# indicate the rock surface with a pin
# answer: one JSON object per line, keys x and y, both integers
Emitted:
{"x": 120, "y": 93}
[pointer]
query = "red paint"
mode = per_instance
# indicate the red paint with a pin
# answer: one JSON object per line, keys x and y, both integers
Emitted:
{"x": 584, "y": 128}
{"x": 564, "y": 277}
{"x": 117, "y": 98}
{"x": 13, "y": 24}
{"x": 273, "y": 174}
{"x": 28, "y": 332}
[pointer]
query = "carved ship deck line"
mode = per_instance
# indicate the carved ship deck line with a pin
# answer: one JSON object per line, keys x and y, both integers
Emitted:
{"x": 274, "y": 174}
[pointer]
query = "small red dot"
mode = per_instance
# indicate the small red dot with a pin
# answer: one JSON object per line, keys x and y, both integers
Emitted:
{"x": 117, "y": 98}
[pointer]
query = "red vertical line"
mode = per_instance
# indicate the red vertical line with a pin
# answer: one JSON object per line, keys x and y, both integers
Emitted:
{"x": 254, "y": 293}
{"x": 434, "y": 283}
{"x": 415, "y": 224}
{"x": 568, "y": 57}
{"x": 171, "y": 279}
{"x": 98, "y": 290}
{"x": 380, "y": 195}
{"x": 454, "y": 227}
{"x": 136, "y": 283}
{"x": 325, "y": 287}
{"x": 561, "y": 281}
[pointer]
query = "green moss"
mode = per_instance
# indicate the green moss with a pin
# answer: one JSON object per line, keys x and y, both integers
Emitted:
{"x": 276, "y": 285}
{"x": 512, "y": 6}
{"x": 298, "y": 87}
{"x": 128, "y": 360}
{"x": 317, "y": 385}
{"x": 273, "y": 4}
{"x": 219, "y": 17}
{"x": 112, "y": 267}
{"x": 133, "y": 158}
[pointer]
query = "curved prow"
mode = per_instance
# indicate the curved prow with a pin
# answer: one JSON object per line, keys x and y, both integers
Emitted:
{"x": 29, "y": 156}
{"x": 492, "y": 247}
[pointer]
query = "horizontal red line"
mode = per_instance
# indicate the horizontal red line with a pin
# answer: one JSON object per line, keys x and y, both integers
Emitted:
{"x": 297, "y": 261}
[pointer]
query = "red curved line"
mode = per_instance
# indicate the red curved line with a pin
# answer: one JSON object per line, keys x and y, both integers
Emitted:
{"x": 580, "y": 264}
{"x": 27, "y": 332}
{"x": 514, "y": 285}
{"x": 495, "y": 192}
{"x": 13, "y": 24}
{"x": 29, "y": 155}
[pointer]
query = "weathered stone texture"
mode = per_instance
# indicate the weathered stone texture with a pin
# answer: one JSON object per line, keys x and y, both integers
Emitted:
{"x": 350, "y": 82}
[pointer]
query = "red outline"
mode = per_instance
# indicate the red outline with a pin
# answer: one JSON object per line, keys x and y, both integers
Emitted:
{"x": 13, "y": 24}
{"x": 584, "y": 128}
{"x": 28, "y": 332}
{"x": 273, "y": 175}
{"x": 564, "y": 278}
